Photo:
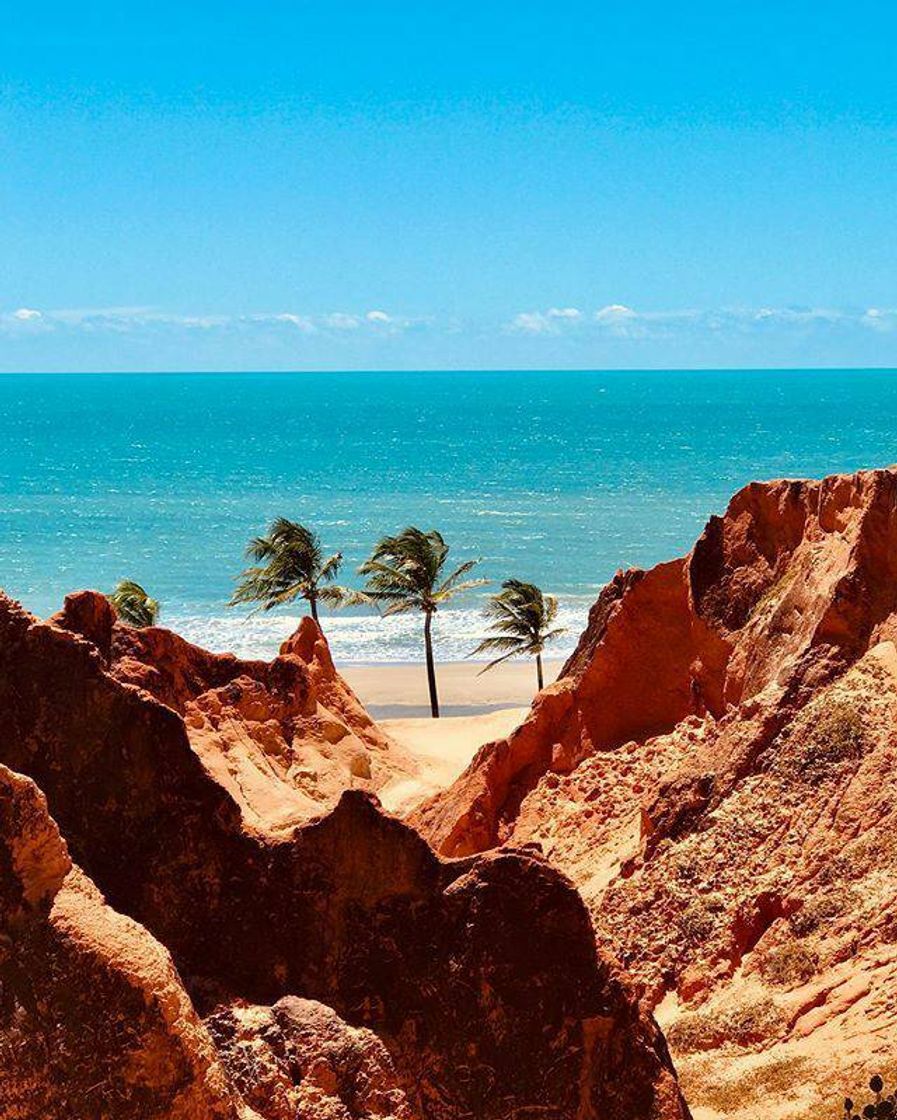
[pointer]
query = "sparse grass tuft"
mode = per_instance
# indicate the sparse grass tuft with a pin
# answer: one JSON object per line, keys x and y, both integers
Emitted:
{"x": 789, "y": 965}
{"x": 825, "y": 736}
{"x": 776, "y": 1080}
{"x": 741, "y": 1025}
{"x": 824, "y": 909}
{"x": 698, "y": 920}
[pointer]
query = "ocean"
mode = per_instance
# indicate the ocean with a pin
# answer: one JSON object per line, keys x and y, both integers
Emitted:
{"x": 555, "y": 477}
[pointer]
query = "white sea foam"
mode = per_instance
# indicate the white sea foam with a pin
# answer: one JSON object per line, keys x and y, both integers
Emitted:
{"x": 364, "y": 637}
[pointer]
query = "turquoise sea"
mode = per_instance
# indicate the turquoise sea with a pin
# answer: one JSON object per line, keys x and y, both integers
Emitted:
{"x": 556, "y": 477}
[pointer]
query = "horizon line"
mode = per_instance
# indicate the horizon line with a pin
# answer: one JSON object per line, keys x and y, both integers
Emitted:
{"x": 444, "y": 369}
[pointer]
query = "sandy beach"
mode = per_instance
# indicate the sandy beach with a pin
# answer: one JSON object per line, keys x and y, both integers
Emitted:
{"x": 475, "y": 709}
{"x": 442, "y": 748}
{"x": 400, "y": 691}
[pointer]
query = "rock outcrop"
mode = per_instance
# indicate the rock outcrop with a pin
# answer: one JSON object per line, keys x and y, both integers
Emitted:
{"x": 715, "y": 771}
{"x": 298, "y": 1060}
{"x": 202, "y": 796}
{"x": 268, "y": 730}
{"x": 94, "y": 1021}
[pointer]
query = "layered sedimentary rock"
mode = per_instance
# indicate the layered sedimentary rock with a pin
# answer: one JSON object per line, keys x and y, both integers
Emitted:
{"x": 715, "y": 770}
{"x": 338, "y": 960}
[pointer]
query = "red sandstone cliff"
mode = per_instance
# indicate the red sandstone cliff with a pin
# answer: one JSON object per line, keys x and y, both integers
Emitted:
{"x": 715, "y": 771}
{"x": 94, "y": 1020}
{"x": 343, "y": 968}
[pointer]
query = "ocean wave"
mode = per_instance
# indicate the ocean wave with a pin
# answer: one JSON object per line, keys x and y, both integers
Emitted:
{"x": 365, "y": 638}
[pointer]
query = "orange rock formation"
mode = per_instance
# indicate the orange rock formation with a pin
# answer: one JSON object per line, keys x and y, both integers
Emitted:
{"x": 715, "y": 771}
{"x": 342, "y": 968}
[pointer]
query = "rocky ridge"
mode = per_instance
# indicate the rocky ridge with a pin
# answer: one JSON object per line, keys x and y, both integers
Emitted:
{"x": 715, "y": 771}
{"x": 204, "y": 912}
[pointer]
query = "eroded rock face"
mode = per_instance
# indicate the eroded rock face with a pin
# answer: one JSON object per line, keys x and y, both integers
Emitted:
{"x": 479, "y": 978}
{"x": 262, "y": 727}
{"x": 298, "y": 1060}
{"x": 715, "y": 772}
{"x": 93, "y": 1018}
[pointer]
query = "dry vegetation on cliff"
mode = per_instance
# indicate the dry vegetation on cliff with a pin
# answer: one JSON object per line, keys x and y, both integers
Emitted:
{"x": 715, "y": 772}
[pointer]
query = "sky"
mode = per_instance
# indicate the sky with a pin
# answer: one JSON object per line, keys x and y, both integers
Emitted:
{"x": 455, "y": 185}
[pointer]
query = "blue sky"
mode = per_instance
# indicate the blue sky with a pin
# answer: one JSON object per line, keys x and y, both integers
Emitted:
{"x": 404, "y": 185}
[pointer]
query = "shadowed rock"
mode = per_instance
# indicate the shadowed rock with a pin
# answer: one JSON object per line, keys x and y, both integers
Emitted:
{"x": 714, "y": 770}
{"x": 479, "y": 977}
{"x": 93, "y": 1018}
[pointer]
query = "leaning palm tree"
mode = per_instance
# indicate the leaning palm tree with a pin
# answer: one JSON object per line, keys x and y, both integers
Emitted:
{"x": 133, "y": 605}
{"x": 290, "y": 565}
{"x": 521, "y": 616}
{"x": 405, "y": 573}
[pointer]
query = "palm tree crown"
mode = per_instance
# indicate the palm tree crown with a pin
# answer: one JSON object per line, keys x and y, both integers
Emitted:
{"x": 521, "y": 617}
{"x": 290, "y": 565}
{"x": 133, "y": 605}
{"x": 406, "y": 573}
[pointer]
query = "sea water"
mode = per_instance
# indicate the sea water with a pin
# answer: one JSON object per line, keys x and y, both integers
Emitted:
{"x": 559, "y": 478}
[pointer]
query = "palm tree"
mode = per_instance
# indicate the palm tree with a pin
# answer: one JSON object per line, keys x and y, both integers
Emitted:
{"x": 521, "y": 617}
{"x": 133, "y": 605}
{"x": 290, "y": 565}
{"x": 405, "y": 573}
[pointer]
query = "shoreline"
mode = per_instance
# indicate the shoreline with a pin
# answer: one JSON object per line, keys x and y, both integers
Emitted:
{"x": 397, "y": 690}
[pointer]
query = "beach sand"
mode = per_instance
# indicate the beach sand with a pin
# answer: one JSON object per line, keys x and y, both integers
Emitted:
{"x": 394, "y": 691}
{"x": 442, "y": 748}
{"x": 475, "y": 709}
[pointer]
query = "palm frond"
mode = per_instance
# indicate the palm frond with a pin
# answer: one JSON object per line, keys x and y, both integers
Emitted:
{"x": 406, "y": 568}
{"x": 458, "y": 574}
{"x": 259, "y": 548}
{"x": 290, "y": 566}
{"x": 133, "y": 605}
{"x": 387, "y": 575}
{"x": 520, "y": 618}
{"x": 400, "y": 606}
{"x": 336, "y": 596}
{"x": 443, "y": 595}
{"x": 330, "y": 568}
{"x": 490, "y": 645}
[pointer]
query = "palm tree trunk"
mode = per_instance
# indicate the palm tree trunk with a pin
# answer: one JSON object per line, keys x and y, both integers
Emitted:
{"x": 313, "y": 603}
{"x": 539, "y": 671}
{"x": 431, "y": 668}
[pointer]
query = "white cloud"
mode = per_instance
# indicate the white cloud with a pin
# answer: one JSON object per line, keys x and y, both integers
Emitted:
{"x": 617, "y": 321}
{"x": 796, "y": 315}
{"x": 615, "y": 324}
{"x": 615, "y": 313}
{"x": 340, "y": 321}
{"x": 879, "y": 319}
{"x": 303, "y": 323}
{"x": 531, "y": 322}
{"x": 548, "y": 322}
